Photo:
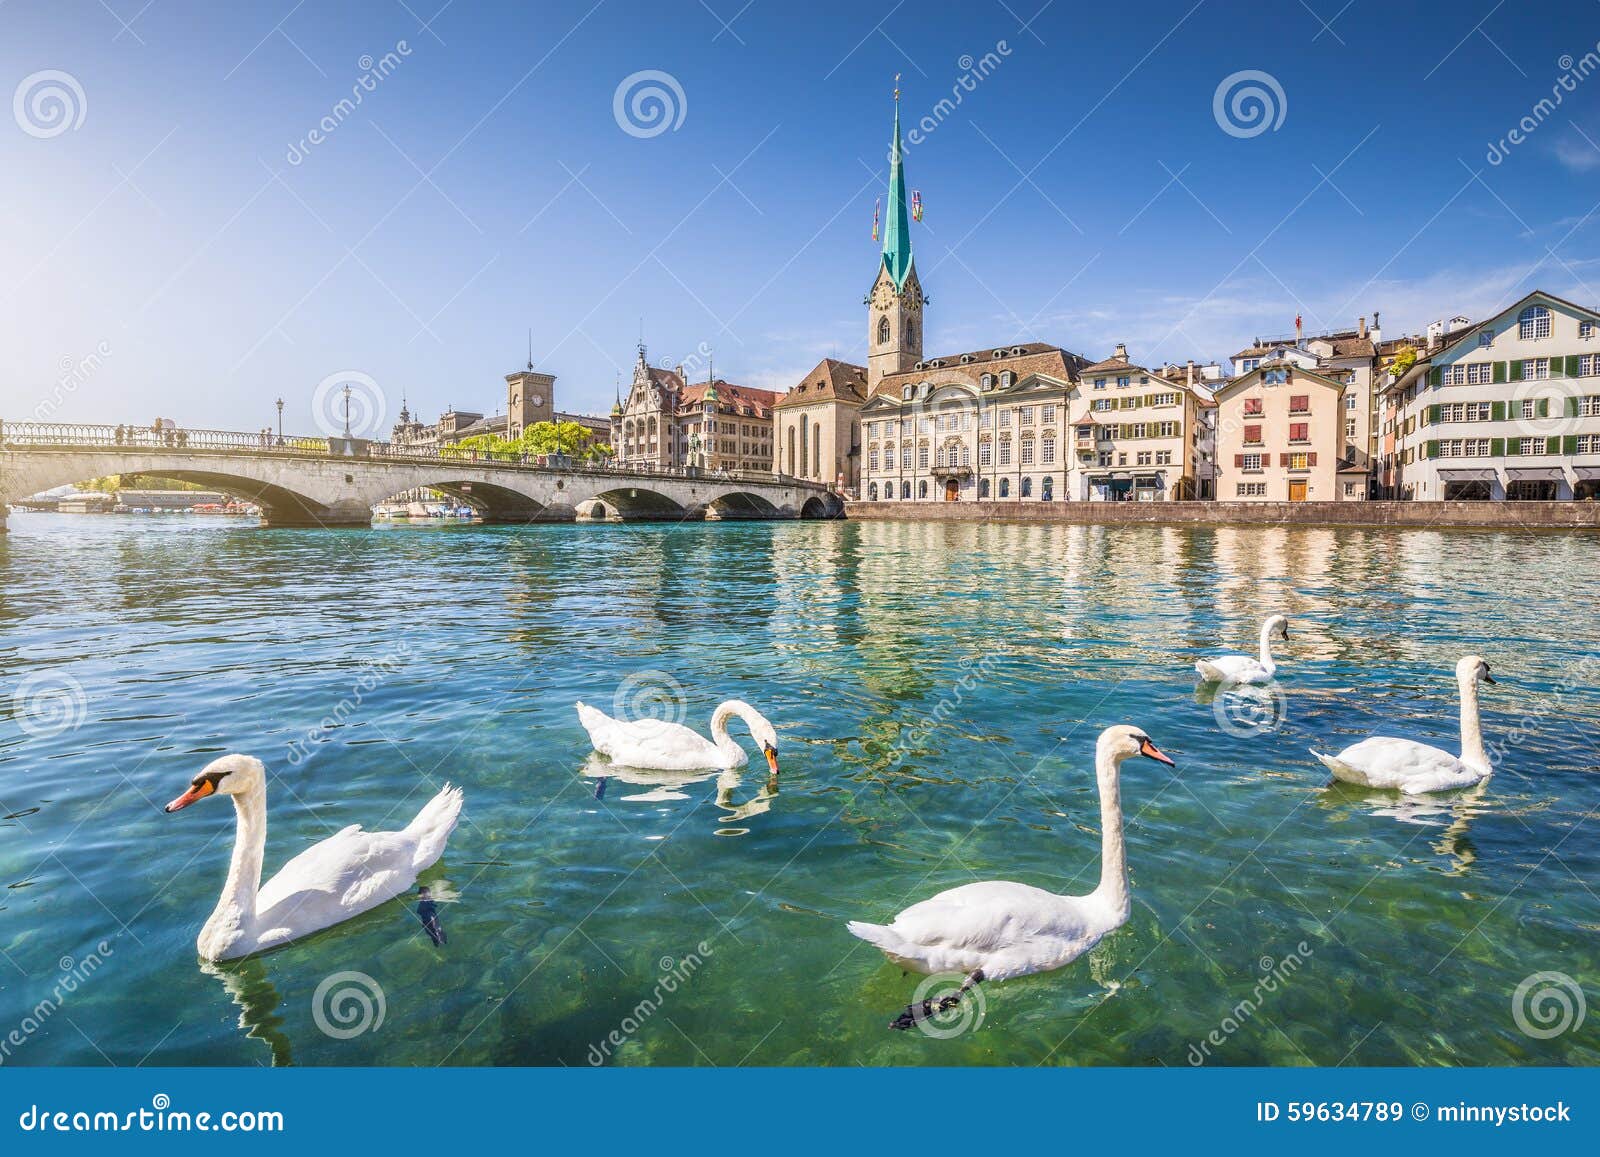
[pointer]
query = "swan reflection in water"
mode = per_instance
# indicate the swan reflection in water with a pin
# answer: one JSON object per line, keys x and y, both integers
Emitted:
{"x": 245, "y": 981}
{"x": 667, "y": 786}
{"x": 1452, "y": 814}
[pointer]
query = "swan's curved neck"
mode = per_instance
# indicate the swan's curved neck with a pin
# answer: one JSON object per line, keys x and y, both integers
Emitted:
{"x": 249, "y": 845}
{"x": 1113, "y": 887}
{"x": 1471, "y": 731}
{"x": 1266, "y": 647}
{"x": 719, "y": 727}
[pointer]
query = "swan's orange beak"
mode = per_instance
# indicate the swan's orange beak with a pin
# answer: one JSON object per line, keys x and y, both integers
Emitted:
{"x": 197, "y": 791}
{"x": 772, "y": 758}
{"x": 1151, "y": 751}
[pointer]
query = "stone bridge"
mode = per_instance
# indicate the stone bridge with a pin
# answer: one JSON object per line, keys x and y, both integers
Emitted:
{"x": 337, "y": 481}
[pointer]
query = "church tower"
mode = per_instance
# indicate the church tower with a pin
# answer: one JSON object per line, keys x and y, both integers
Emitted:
{"x": 894, "y": 307}
{"x": 530, "y": 397}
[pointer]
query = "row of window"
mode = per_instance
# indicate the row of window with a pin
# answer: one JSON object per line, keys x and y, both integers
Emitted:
{"x": 1024, "y": 489}
{"x": 1295, "y": 460}
{"x": 1298, "y": 432}
{"x": 961, "y": 419}
{"x": 1496, "y": 447}
{"x": 1298, "y": 404}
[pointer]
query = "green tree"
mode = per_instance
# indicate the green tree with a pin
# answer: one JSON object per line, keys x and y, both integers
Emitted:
{"x": 1403, "y": 361}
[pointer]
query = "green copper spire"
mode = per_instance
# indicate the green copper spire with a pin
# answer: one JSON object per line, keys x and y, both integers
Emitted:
{"x": 897, "y": 223}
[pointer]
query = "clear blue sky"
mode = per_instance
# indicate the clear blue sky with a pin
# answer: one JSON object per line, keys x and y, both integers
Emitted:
{"x": 1082, "y": 193}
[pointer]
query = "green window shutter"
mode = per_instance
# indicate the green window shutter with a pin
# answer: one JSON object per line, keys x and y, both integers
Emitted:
{"x": 1513, "y": 447}
{"x": 1499, "y": 371}
{"x": 1544, "y": 407}
{"x": 1572, "y": 366}
{"x": 1552, "y": 445}
{"x": 1431, "y": 448}
{"x": 1516, "y": 371}
{"x": 1572, "y": 407}
{"x": 1569, "y": 444}
{"x": 1497, "y": 447}
{"x": 1435, "y": 375}
{"x": 1556, "y": 364}
{"x": 1433, "y": 415}
{"x": 1497, "y": 410}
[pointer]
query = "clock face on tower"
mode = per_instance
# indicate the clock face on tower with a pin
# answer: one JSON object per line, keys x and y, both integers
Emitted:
{"x": 536, "y": 399}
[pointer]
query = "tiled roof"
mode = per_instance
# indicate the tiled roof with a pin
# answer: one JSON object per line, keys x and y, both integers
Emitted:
{"x": 1112, "y": 365}
{"x": 830, "y": 379}
{"x": 746, "y": 401}
{"x": 1033, "y": 358}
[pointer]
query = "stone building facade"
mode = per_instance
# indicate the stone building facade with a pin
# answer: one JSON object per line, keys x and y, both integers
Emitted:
{"x": 715, "y": 425}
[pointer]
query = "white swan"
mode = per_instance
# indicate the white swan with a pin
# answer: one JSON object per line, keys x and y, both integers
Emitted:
{"x": 1242, "y": 668}
{"x": 1415, "y": 768}
{"x": 343, "y": 876}
{"x": 666, "y": 746}
{"x": 996, "y": 929}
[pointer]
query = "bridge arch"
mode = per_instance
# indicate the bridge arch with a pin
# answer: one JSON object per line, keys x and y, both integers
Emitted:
{"x": 496, "y": 503}
{"x": 640, "y": 503}
{"x": 822, "y": 506}
{"x": 736, "y": 504}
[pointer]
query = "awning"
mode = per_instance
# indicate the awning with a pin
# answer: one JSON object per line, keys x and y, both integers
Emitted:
{"x": 1485, "y": 474}
{"x": 1585, "y": 473}
{"x": 1534, "y": 473}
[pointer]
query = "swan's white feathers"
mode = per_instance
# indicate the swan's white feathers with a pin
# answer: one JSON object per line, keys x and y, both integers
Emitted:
{"x": 655, "y": 744}
{"x": 1400, "y": 764}
{"x": 1232, "y": 669}
{"x": 350, "y": 872}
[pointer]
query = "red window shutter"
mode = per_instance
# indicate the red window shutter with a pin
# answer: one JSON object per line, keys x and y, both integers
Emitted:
{"x": 1283, "y": 459}
{"x": 1238, "y": 461}
{"x": 1300, "y": 402}
{"x": 1311, "y": 458}
{"x": 1252, "y": 433}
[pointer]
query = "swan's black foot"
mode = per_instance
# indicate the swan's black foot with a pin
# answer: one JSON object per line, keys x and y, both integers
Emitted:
{"x": 925, "y": 1010}
{"x": 928, "y": 1009}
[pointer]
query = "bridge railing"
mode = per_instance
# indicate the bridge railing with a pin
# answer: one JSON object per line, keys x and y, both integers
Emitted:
{"x": 71, "y": 435}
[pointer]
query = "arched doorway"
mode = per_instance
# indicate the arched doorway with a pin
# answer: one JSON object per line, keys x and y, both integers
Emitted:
{"x": 952, "y": 490}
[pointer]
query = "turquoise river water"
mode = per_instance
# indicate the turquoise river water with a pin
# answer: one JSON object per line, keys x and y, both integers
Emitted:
{"x": 937, "y": 689}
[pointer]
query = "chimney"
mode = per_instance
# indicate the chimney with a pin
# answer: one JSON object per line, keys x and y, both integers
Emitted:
{"x": 1191, "y": 372}
{"x": 1361, "y": 326}
{"x": 1377, "y": 330}
{"x": 1120, "y": 352}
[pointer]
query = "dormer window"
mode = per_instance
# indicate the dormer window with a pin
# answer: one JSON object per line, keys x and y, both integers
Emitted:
{"x": 926, "y": 388}
{"x": 1016, "y": 351}
{"x": 965, "y": 358}
{"x": 905, "y": 393}
{"x": 987, "y": 381}
{"x": 1006, "y": 379}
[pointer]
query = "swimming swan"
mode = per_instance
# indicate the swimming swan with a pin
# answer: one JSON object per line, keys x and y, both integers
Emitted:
{"x": 662, "y": 745}
{"x": 1415, "y": 768}
{"x": 345, "y": 875}
{"x": 996, "y": 929}
{"x": 1242, "y": 668}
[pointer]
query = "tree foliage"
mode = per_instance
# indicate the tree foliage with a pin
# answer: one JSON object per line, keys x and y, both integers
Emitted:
{"x": 572, "y": 439}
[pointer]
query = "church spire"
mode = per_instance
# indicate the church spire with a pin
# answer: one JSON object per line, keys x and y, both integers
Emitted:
{"x": 897, "y": 223}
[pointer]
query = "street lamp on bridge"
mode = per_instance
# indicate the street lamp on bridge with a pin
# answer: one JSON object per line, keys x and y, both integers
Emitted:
{"x": 279, "y": 404}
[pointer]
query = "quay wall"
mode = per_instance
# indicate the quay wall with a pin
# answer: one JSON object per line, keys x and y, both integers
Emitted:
{"x": 1481, "y": 515}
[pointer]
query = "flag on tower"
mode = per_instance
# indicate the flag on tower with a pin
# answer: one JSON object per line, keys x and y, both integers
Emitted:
{"x": 876, "y": 206}
{"x": 916, "y": 205}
